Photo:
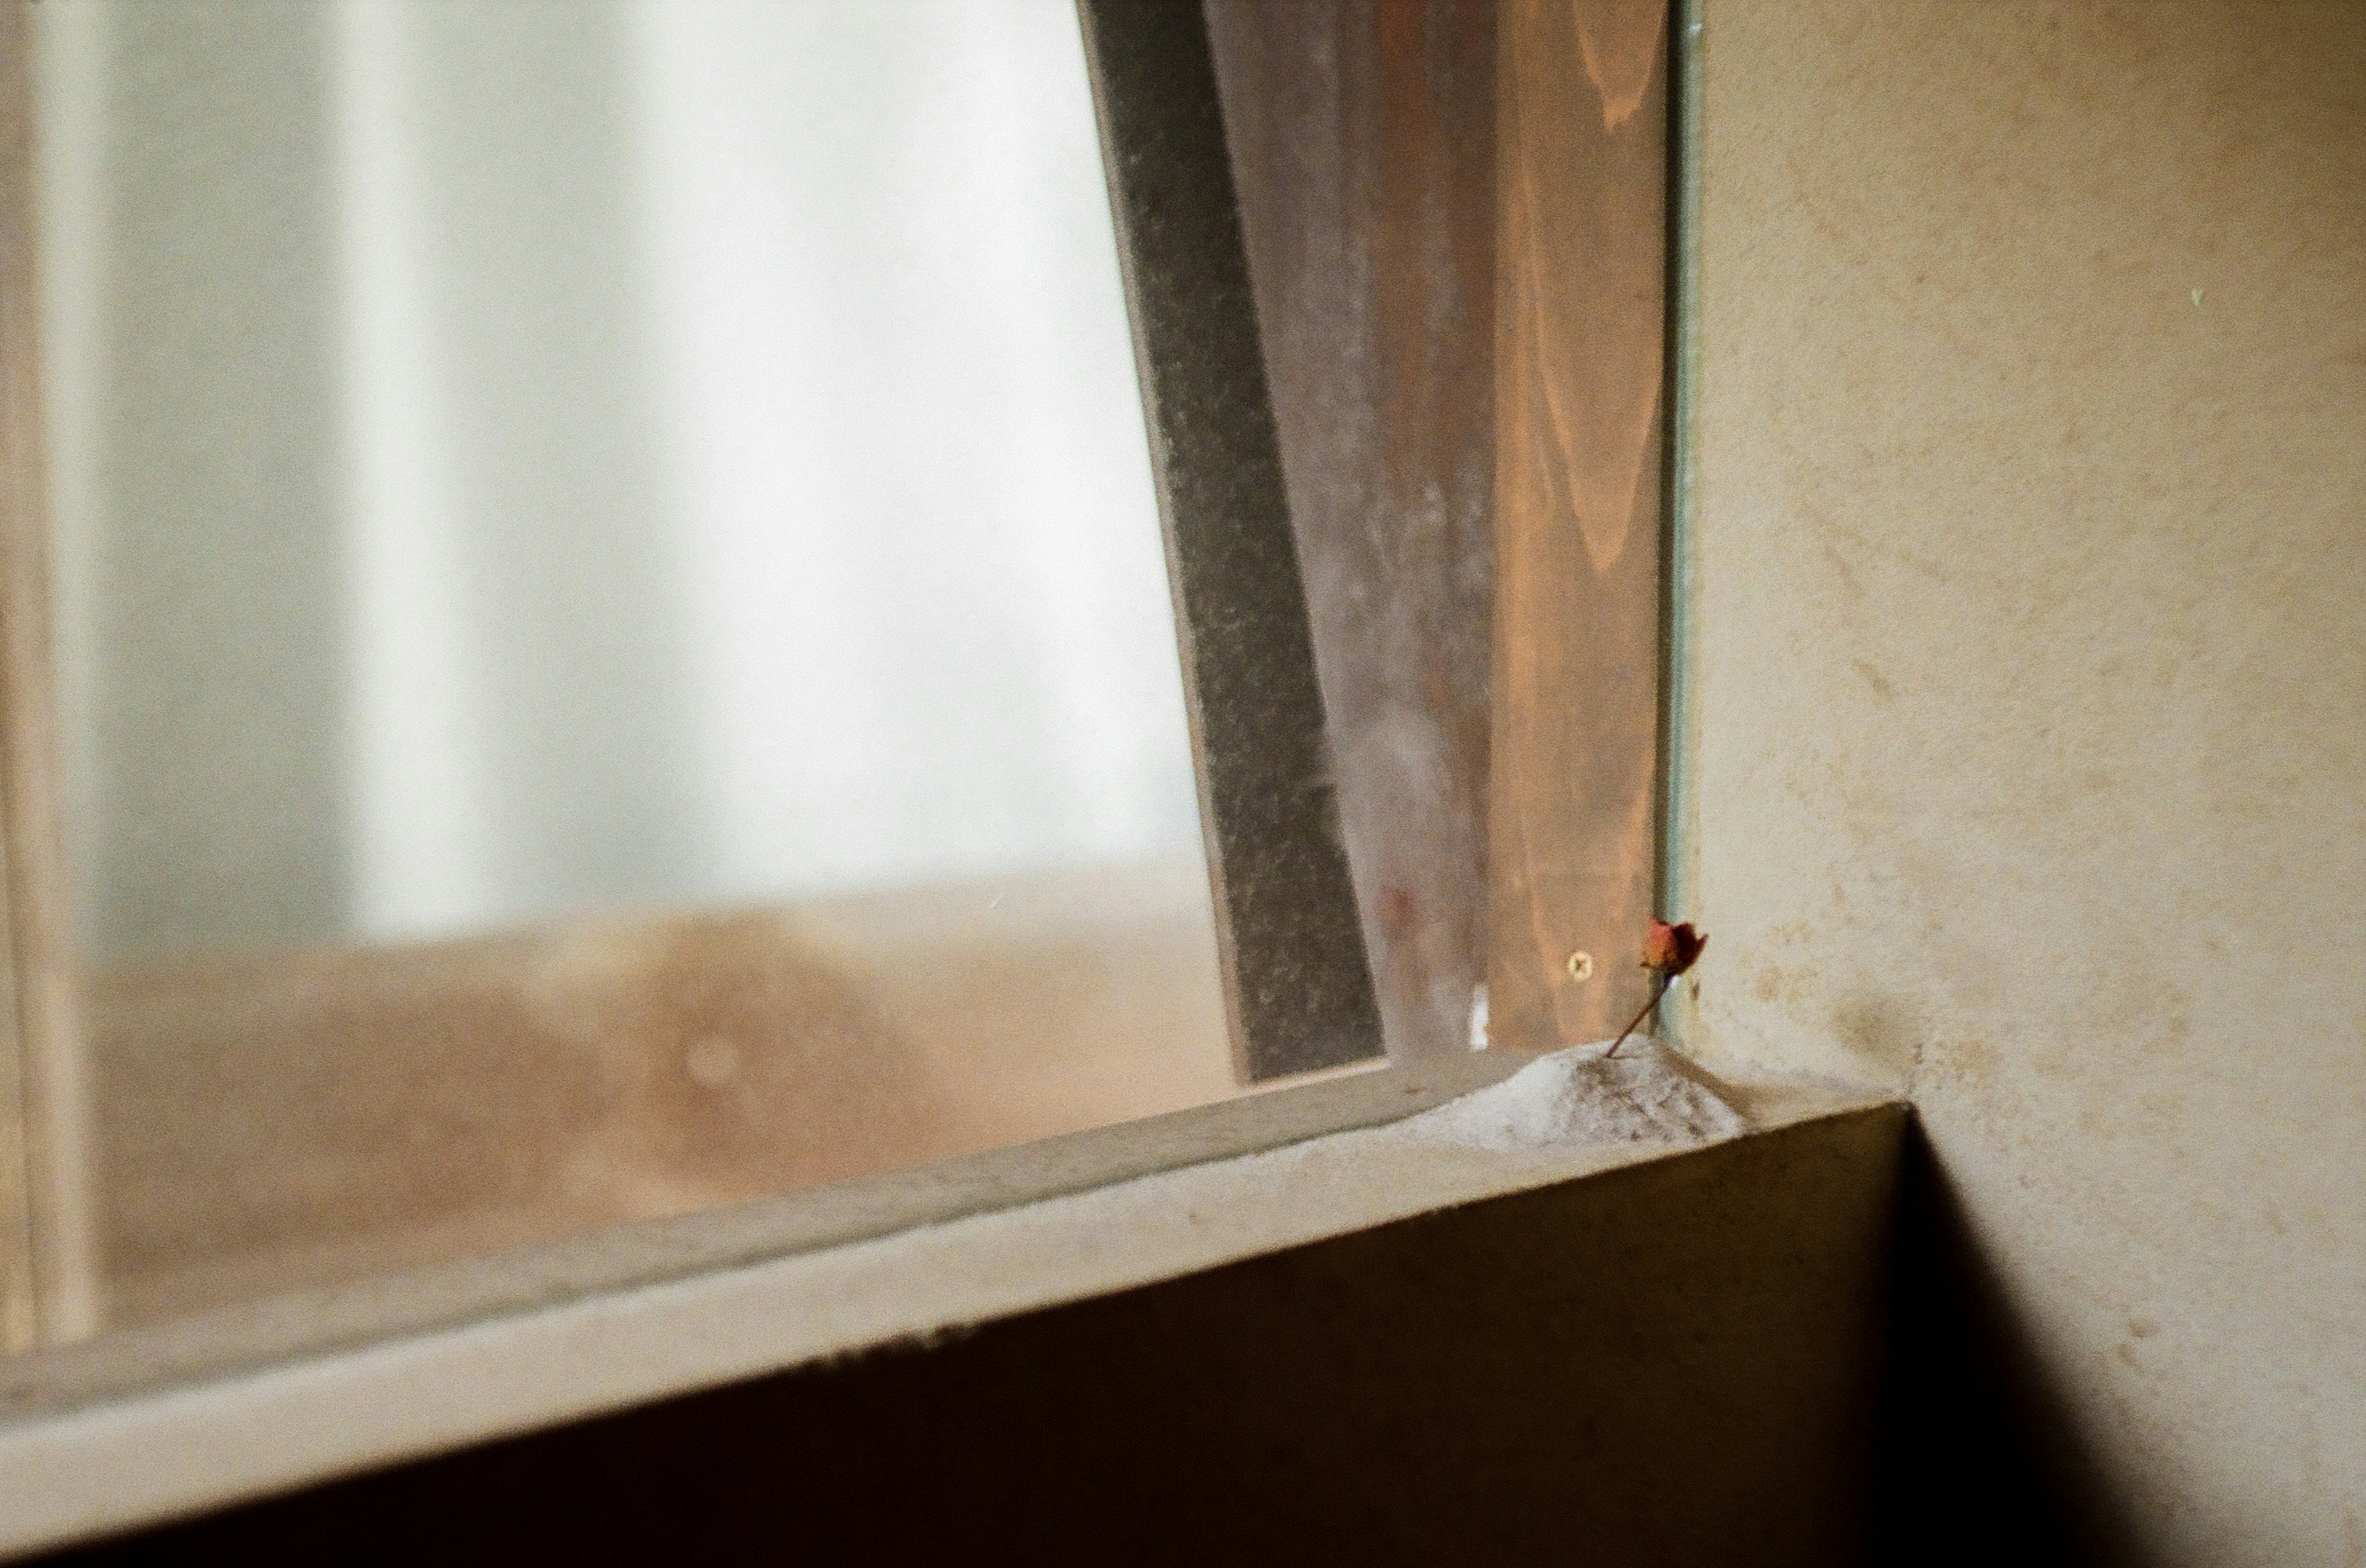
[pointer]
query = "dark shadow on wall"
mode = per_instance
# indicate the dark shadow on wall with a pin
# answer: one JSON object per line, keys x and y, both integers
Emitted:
{"x": 1980, "y": 1461}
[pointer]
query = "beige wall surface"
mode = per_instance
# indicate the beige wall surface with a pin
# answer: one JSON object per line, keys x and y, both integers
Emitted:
{"x": 2026, "y": 681}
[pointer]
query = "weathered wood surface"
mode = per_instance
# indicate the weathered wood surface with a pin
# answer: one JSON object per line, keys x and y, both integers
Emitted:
{"x": 1581, "y": 344}
{"x": 1456, "y": 219}
{"x": 45, "y": 1279}
{"x": 1363, "y": 140}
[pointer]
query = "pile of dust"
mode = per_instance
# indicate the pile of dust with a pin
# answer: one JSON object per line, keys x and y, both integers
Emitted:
{"x": 1646, "y": 1094}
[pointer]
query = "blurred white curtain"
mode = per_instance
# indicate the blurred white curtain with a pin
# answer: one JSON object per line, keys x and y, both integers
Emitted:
{"x": 719, "y": 473}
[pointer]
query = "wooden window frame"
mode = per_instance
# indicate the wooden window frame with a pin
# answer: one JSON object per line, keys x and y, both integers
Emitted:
{"x": 1545, "y": 823}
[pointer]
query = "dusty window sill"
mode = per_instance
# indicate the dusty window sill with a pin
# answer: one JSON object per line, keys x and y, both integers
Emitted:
{"x": 153, "y": 1423}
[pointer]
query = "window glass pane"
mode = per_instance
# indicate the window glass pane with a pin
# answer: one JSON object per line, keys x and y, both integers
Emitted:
{"x": 614, "y": 646}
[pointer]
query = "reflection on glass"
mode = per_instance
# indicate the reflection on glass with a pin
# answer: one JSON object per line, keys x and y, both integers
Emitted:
{"x": 613, "y": 638}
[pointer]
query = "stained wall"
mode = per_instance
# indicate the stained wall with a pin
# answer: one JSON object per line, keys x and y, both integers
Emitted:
{"x": 2023, "y": 683}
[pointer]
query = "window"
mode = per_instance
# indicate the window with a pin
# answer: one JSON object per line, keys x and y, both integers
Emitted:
{"x": 1371, "y": 481}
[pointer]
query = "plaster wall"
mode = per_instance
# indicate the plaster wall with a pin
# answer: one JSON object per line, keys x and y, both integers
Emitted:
{"x": 2023, "y": 704}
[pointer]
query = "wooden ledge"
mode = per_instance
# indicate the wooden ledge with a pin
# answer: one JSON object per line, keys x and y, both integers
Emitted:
{"x": 152, "y": 1423}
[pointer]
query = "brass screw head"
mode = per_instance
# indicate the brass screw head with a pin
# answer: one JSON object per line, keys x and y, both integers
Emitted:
{"x": 1581, "y": 965}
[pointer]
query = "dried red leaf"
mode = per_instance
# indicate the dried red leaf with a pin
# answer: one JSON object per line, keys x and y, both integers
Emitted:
{"x": 1669, "y": 951}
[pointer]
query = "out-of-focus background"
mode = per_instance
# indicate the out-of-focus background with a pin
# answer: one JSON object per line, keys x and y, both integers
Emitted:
{"x": 516, "y": 457}
{"x": 614, "y": 646}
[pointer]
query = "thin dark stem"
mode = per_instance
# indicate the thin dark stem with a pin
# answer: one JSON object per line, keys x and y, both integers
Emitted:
{"x": 1656, "y": 992}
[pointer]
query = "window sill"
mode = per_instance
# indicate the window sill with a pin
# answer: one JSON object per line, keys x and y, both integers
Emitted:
{"x": 154, "y": 1423}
